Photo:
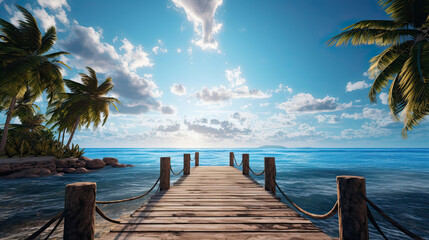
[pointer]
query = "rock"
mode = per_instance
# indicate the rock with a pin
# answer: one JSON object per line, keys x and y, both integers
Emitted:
{"x": 16, "y": 175}
{"x": 118, "y": 165}
{"x": 5, "y": 169}
{"x": 81, "y": 170}
{"x": 69, "y": 170}
{"x": 32, "y": 171}
{"x": 129, "y": 165}
{"x": 80, "y": 164}
{"x": 95, "y": 164}
{"x": 45, "y": 172}
{"x": 59, "y": 174}
{"x": 60, "y": 169}
{"x": 31, "y": 176}
{"x": 61, "y": 163}
{"x": 110, "y": 160}
{"x": 86, "y": 159}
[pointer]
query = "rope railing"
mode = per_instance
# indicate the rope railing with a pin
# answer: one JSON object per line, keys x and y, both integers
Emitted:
{"x": 327, "y": 215}
{"x": 374, "y": 222}
{"x": 129, "y": 199}
{"x": 176, "y": 173}
{"x": 193, "y": 159}
{"x": 257, "y": 174}
{"x": 391, "y": 221}
{"x": 44, "y": 227}
{"x": 235, "y": 160}
{"x": 101, "y": 213}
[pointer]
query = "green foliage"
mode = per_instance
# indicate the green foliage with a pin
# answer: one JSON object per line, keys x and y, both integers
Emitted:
{"x": 404, "y": 64}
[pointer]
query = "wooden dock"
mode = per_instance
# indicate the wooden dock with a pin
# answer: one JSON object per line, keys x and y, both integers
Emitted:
{"x": 215, "y": 202}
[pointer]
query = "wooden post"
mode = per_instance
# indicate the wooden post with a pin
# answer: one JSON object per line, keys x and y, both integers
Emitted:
{"x": 270, "y": 174}
{"x": 352, "y": 208}
{"x": 79, "y": 210}
{"x": 231, "y": 159}
{"x": 164, "y": 175}
{"x": 245, "y": 160}
{"x": 197, "y": 159}
{"x": 186, "y": 164}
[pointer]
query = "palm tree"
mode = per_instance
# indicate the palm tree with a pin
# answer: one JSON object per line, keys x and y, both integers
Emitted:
{"x": 405, "y": 61}
{"x": 25, "y": 64}
{"x": 30, "y": 124}
{"x": 85, "y": 105}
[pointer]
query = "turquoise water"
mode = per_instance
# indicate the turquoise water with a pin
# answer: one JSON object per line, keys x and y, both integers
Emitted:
{"x": 397, "y": 180}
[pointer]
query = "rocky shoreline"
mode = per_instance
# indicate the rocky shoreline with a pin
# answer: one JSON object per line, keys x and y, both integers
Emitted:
{"x": 47, "y": 166}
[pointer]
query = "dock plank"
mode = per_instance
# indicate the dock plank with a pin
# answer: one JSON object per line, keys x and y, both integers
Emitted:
{"x": 215, "y": 203}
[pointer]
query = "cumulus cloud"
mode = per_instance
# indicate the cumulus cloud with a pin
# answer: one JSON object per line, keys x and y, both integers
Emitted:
{"x": 384, "y": 97}
{"x": 357, "y": 86}
{"x": 178, "y": 89}
{"x": 234, "y": 77}
{"x": 219, "y": 94}
{"x": 306, "y": 103}
{"x": 331, "y": 119}
{"x": 138, "y": 93}
{"x": 179, "y": 50}
{"x": 46, "y": 19}
{"x": 168, "y": 128}
{"x": 304, "y": 131}
{"x": 239, "y": 117}
{"x": 54, "y": 4}
{"x": 283, "y": 88}
{"x": 379, "y": 116}
{"x": 217, "y": 129}
{"x": 201, "y": 14}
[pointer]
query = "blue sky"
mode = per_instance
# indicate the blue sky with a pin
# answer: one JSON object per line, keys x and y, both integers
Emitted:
{"x": 231, "y": 73}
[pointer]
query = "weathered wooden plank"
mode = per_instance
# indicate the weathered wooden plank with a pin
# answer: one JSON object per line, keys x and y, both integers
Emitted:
{"x": 262, "y": 227}
{"x": 207, "y": 208}
{"x": 209, "y": 203}
{"x": 257, "y": 200}
{"x": 231, "y": 213}
{"x": 218, "y": 236}
{"x": 218, "y": 220}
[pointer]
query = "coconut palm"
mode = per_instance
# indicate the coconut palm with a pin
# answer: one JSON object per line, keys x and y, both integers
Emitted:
{"x": 85, "y": 105}
{"x": 404, "y": 63}
{"x": 30, "y": 124}
{"x": 26, "y": 64}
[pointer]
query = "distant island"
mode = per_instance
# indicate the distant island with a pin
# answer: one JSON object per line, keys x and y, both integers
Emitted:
{"x": 271, "y": 146}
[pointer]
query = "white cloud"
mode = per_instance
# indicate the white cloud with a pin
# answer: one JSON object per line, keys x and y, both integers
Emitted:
{"x": 46, "y": 19}
{"x": 306, "y": 103}
{"x": 138, "y": 93}
{"x": 234, "y": 77}
{"x": 54, "y": 4}
{"x": 331, "y": 119}
{"x": 264, "y": 104}
{"x": 219, "y": 94}
{"x": 178, "y": 89}
{"x": 62, "y": 16}
{"x": 179, "y": 50}
{"x": 217, "y": 129}
{"x": 159, "y": 48}
{"x": 384, "y": 97}
{"x": 201, "y": 14}
{"x": 189, "y": 51}
{"x": 135, "y": 57}
{"x": 379, "y": 116}
{"x": 357, "y": 86}
{"x": 283, "y": 88}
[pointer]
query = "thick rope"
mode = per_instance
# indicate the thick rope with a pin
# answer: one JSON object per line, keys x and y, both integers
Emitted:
{"x": 193, "y": 159}
{"x": 44, "y": 227}
{"x": 176, "y": 173}
{"x": 257, "y": 174}
{"x": 374, "y": 222}
{"x": 129, "y": 199}
{"x": 55, "y": 227}
{"x": 393, "y": 222}
{"x": 327, "y": 215}
{"x": 101, "y": 213}
{"x": 238, "y": 165}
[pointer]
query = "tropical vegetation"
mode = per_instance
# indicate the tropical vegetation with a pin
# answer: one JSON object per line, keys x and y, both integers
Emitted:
{"x": 404, "y": 63}
{"x": 28, "y": 68}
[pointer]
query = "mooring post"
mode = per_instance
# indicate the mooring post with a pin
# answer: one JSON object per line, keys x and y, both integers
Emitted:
{"x": 164, "y": 175}
{"x": 197, "y": 159}
{"x": 270, "y": 174}
{"x": 352, "y": 208}
{"x": 186, "y": 164}
{"x": 79, "y": 211}
{"x": 231, "y": 159}
{"x": 245, "y": 160}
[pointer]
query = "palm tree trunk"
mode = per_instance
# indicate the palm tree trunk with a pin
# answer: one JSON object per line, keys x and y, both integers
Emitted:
{"x": 59, "y": 135}
{"x": 74, "y": 130}
{"x": 6, "y": 125}
{"x": 62, "y": 141}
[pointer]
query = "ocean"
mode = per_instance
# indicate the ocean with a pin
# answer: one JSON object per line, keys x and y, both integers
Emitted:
{"x": 397, "y": 180}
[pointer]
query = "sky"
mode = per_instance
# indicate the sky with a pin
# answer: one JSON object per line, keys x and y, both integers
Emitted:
{"x": 224, "y": 73}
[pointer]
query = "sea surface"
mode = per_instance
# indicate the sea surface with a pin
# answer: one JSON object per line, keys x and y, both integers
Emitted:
{"x": 397, "y": 180}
